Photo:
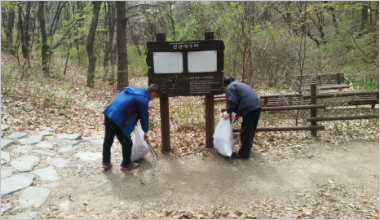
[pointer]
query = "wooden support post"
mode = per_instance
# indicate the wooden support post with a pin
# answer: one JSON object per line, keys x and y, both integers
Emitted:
{"x": 313, "y": 101}
{"x": 209, "y": 101}
{"x": 164, "y": 110}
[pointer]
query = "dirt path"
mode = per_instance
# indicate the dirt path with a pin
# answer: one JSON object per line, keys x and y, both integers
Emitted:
{"x": 335, "y": 182}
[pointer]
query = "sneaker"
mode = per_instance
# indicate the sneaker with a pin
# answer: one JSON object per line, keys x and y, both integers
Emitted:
{"x": 236, "y": 154}
{"x": 130, "y": 166}
{"x": 107, "y": 165}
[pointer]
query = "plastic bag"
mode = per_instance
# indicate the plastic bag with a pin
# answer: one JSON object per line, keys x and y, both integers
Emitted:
{"x": 223, "y": 139}
{"x": 140, "y": 148}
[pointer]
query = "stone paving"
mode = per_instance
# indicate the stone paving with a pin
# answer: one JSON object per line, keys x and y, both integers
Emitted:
{"x": 25, "y": 159}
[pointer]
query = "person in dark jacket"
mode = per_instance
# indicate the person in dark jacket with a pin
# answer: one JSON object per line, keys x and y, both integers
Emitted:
{"x": 245, "y": 103}
{"x": 121, "y": 116}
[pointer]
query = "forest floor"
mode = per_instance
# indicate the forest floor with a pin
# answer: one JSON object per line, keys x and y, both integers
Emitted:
{"x": 289, "y": 174}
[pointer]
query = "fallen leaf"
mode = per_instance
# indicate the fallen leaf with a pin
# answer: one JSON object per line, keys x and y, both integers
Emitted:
{"x": 168, "y": 186}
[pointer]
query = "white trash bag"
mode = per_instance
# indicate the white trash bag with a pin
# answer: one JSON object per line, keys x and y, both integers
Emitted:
{"x": 140, "y": 148}
{"x": 223, "y": 139}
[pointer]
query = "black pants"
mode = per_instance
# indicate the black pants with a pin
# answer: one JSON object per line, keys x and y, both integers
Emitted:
{"x": 247, "y": 132}
{"x": 112, "y": 130}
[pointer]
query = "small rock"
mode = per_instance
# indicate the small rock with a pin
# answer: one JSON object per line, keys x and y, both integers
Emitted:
{"x": 6, "y": 143}
{"x": 33, "y": 197}
{"x": 24, "y": 149}
{"x": 44, "y": 145}
{"x": 24, "y": 215}
{"x": 18, "y": 135}
{"x": 67, "y": 149}
{"x": 15, "y": 183}
{"x": 58, "y": 162}
{"x": 25, "y": 162}
{"x": 4, "y": 127}
{"x": 5, "y": 157}
{"x": 6, "y": 207}
{"x": 187, "y": 214}
{"x": 89, "y": 156}
{"x": 69, "y": 136}
{"x": 47, "y": 174}
{"x": 6, "y": 172}
{"x": 45, "y": 133}
{"x": 32, "y": 139}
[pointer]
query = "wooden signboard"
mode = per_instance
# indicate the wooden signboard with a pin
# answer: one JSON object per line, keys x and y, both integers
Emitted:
{"x": 187, "y": 68}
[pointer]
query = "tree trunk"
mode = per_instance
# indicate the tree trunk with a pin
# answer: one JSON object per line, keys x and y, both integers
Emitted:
{"x": 364, "y": 16}
{"x": 289, "y": 15}
{"x": 90, "y": 45}
{"x": 8, "y": 41}
{"x": 111, "y": 31}
{"x": 24, "y": 30}
{"x": 122, "y": 63}
{"x": 45, "y": 47}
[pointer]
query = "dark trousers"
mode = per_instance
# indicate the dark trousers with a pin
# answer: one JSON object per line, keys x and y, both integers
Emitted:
{"x": 247, "y": 132}
{"x": 112, "y": 130}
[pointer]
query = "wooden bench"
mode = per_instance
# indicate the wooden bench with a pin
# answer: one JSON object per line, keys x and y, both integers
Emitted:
{"x": 325, "y": 81}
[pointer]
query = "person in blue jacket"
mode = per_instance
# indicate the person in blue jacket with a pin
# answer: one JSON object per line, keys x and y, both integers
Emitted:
{"x": 121, "y": 116}
{"x": 244, "y": 102}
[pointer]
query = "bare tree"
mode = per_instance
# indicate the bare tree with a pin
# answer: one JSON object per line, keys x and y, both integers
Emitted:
{"x": 90, "y": 45}
{"x": 122, "y": 62}
{"x": 111, "y": 31}
{"x": 45, "y": 47}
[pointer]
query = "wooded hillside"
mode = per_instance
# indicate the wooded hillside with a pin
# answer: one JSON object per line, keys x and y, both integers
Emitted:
{"x": 266, "y": 42}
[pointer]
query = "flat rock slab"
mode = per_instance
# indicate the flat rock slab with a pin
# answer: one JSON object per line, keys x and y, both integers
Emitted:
{"x": 4, "y": 127}
{"x": 6, "y": 143}
{"x": 47, "y": 174}
{"x": 58, "y": 162}
{"x": 67, "y": 149}
{"x": 6, "y": 172}
{"x": 69, "y": 136}
{"x": 97, "y": 141}
{"x": 25, "y": 162}
{"x": 33, "y": 196}
{"x": 44, "y": 145}
{"x": 18, "y": 135}
{"x": 24, "y": 215}
{"x": 89, "y": 156}
{"x": 24, "y": 149}
{"x": 32, "y": 139}
{"x": 45, "y": 133}
{"x": 74, "y": 143}
{"x": 15, "y": 183}
{"x": 44, "y": 152}
{"x": 6, "y": 207}
{"x": 5, "y": 157}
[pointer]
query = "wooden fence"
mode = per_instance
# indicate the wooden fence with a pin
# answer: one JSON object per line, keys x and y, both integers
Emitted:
{"x": 312, "y": 106}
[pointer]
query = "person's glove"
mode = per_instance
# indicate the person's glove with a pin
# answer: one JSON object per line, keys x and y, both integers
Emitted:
{"x": 225, "y": 115}
{"x": 146, "y": 137}
{"x": 236, "y": 117}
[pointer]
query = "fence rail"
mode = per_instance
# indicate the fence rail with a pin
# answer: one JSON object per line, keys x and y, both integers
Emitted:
{"x": 313, "y": 119}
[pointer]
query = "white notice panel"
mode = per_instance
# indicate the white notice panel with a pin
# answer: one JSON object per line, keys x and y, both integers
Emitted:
{"x": 202, "y": 61}
{"x": 167, "y": 62}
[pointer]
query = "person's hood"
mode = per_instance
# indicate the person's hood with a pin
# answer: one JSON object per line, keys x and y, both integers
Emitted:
{"x": 134, "y": 90}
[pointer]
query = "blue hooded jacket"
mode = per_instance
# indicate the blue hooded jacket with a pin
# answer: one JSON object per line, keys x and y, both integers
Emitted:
{"x": 128, "y": 107}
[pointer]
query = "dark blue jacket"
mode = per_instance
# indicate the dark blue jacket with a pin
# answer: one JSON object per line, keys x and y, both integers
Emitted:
{"x": 241, "y": 99}
{"x": 128, "y": 107}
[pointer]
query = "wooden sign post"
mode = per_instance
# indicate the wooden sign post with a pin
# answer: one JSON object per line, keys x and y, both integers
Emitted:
{"x": 186, "y": 68}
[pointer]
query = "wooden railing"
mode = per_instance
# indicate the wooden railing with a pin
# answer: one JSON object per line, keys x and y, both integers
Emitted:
{"x": 312, "y": 106}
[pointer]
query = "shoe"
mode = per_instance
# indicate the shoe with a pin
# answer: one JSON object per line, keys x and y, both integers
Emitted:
{"x": 107, "y": 165}
{"x": 130, "y": 166}
{"x": 236, "y": 154}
